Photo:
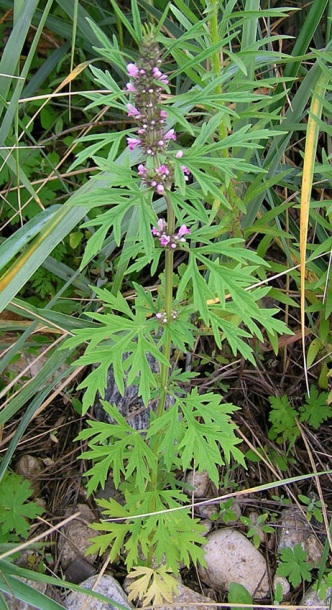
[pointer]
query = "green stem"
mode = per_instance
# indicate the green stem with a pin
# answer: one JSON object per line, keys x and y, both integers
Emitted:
{"x": 164, "y": 369}
{"x": 169, "y": 261}
{"x": 217, "y": 62}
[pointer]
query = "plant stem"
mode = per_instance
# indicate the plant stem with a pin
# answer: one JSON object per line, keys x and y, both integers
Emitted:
{"x": 164, "y": 369}
{"x": 217, "y": 63}
{"x": 169, "y": 260}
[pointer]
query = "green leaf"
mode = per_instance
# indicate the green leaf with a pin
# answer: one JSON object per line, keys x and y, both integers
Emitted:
{"x": 119, "y": 448}
{"x": 283, "y": 419}
{"x": 14, "y": 509}
{"x": 170, "y": 431}
{"x": 294, "y": 565}
{"x": 315, "y": 410}
{"x": 238, "y": 594}
{"x": 207, "y": 428}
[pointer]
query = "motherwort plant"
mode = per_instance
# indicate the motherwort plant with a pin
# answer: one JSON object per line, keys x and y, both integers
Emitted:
{"x": 166, "y": 208}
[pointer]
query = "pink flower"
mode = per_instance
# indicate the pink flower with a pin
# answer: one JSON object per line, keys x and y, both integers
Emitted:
{"x": 162, "y": 169}
{"x": 164, "y": 240}
{"x": 132, "y": 70}
{"x": 170, "y": 135}
{"x": 156, "y": 73}
{"x": 133, "y": 142}
{"x": 160, "y": 189}
{"x": 132, "y": 111}
{"x": 162, "y": 225}
{"x": 163, "y": 114}
{"x": 141, "y": 170}
{"x": 183, "y": 230}
{"x": 130, "y": 87}
{"x": 186, "y": 171}
{"x": 179, "y": 154}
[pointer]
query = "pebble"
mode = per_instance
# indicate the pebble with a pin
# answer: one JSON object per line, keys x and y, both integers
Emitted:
{"x": 105, "y": 585}
{"x": 231, "y": 557}
{"x": 312, "y": 600}
{"x": 187, "y": 599}
{"x": 74, "y": 539}
{"x": 199, "y": 481}
{"x": 30, "y": 467}
{"x": 285, "y": 586}
{"x": 294, "y": 529}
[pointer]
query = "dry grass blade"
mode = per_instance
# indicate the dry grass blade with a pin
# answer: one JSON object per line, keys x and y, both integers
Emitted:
{"x": 307, "y": 180}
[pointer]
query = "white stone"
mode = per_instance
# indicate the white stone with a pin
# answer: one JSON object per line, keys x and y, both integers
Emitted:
{"x": 231, "y": 557}
{"x": 285, "y": 586}
{"x": 199, "y": 481}
{"x": 312, "y": 600}
{"x": 105, "y": 585}
{"x": 75, "y": 538}
{"x": 294, "y": 529}
{"x": 187, "y": 599}
{"x": 30, "y": 467}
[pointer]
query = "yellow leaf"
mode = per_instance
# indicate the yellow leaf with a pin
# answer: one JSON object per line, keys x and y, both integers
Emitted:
{"x": 152, "y": 586}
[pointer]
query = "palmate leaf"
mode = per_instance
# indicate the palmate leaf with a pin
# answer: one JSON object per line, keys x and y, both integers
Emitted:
{"x": 233, "y": 332}
{"x": 14, "y": 508}
{"x": 294, "y": 565}
{"x": 201, "y": 292}
{"x": 283, "y": 419}
{"x": 170, "y": 432}
{"x": 207, "y": 428}
{"x": 173, "y": 537}
{"x": 126, "y": 452}
{"x": 105, "y": 458}
{"x": 315, "y": 410}
{"x": 152, "y": 585}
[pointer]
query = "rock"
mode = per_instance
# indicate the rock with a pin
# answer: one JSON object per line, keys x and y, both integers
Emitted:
{"x": 294, "y": 529}
{"x": 187, "y": 600}
{"x": 130, "y": 405}
{"x": 78, "y": 570}
{"x": 208, "y": 511}
{"x": 231, "y": 557}
{"x": 110, "y": 491}
{"x": 105, "y": 585}
{"x": 207, "y": 524}
{"x": 30, "y": 467}
{"x": 74, "y": 539}
{"x": 283, "y": 582}
{"x": 199, "y": 481}
{"x": 312, "y": 600}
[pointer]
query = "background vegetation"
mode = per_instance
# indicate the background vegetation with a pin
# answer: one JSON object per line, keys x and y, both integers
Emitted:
{"x": 264, "y": 67}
